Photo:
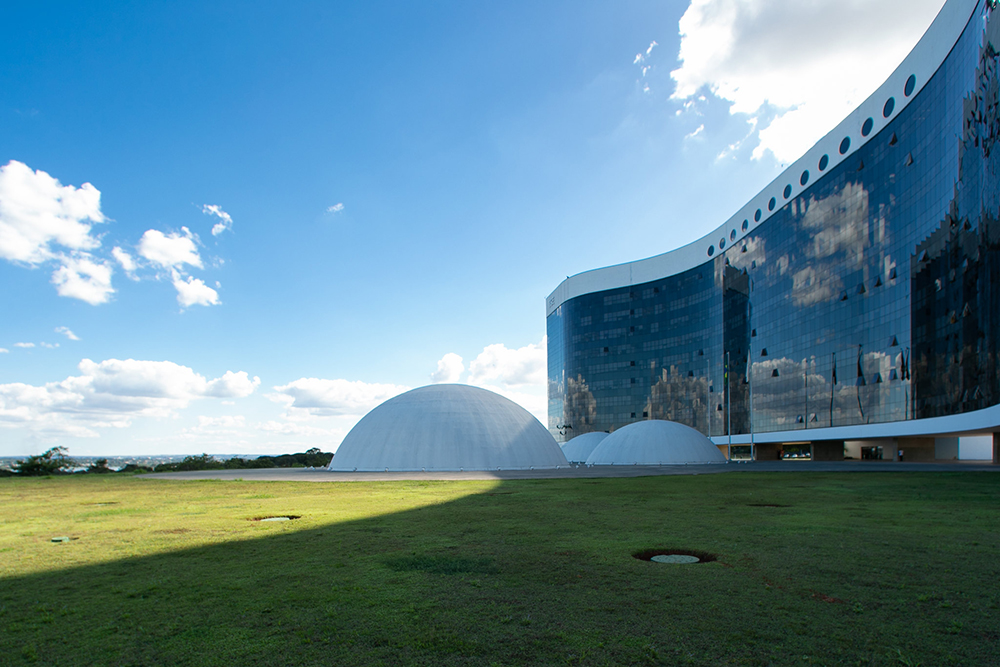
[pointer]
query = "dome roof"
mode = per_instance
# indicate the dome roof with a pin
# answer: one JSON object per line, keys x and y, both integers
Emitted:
{"x": 580, "y": 447}
{"x": 655, "y": 442}
{"x": 448, "y": 427}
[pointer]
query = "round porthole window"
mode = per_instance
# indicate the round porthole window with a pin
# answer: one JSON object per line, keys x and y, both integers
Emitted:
{"x": 711, "y": 250}
{"x": 866, "y": 129}
{"x": 756, "y": 216}
{"x": 911, "y": 83}
{"x": 890, "y": 104}
{"x": 823, "y": 162}
{"x": 788, "y": 192}
{"x": 746, "y": 225}
{"x": 804, "y": 178}
{"x": 722, "y": 243}
{"x": 771, "y": 204}
{"x": 845, "y": 145}
{"x": 732, "y": 235}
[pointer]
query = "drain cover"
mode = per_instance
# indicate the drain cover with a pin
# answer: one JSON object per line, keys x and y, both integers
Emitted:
{"x": 277, "y": 518}
{"x": 677, "y": 559}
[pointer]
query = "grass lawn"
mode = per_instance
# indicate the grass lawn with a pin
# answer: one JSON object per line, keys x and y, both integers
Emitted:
{"x": 813, "y": 568}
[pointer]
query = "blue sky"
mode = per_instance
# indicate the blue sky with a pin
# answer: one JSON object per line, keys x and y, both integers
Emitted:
{"x": 393, "y": 188}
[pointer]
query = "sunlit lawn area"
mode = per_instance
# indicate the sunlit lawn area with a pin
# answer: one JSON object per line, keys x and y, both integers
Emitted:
{"x": 813, "y": 568}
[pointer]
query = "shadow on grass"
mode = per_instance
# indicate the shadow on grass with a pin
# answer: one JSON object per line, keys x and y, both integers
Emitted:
{"x": 542, "y": 572}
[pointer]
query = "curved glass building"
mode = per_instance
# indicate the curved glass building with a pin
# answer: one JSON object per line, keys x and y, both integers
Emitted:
{"x": 852, "y": 306}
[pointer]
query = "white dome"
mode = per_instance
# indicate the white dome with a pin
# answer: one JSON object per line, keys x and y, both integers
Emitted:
{"x": 580, "y": 447}
{"x": 448, "y": 427}
{"x": 655, "y": 442}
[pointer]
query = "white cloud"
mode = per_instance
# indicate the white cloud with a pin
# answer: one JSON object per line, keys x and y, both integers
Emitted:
{"x": 511, "y": 368}
{"x": 449, "y": 369}
{"x": 37, "y": 212}
{"x": 225, "y": 220}
{"x": 110, "y": 394}
{"x": 4, "y": 350}
{"x": 519, "y": 375}
{"x": 698, "y": 130}
{"x": 194, "y": 292}
{"x": 291, "y": 428}
{"x": 170, "y": 250}
{"x": 330, "y": 398}
{"x": 126, "y": 261}
{"x": 336, "y": 208}
{"x": 84, "y": 278}
{"x": 50, "y": 346}
{"x": 25, "y": 345}
{"x": 811, "y": 62}
{"x": 66, "y": 332}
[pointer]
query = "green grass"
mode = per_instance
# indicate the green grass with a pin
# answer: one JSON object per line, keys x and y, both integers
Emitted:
{"x": 853, "y": 569}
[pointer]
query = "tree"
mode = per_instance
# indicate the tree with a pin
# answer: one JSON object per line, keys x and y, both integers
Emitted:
{"x": 47, "y": 463}
{"x": 99, "y": 466}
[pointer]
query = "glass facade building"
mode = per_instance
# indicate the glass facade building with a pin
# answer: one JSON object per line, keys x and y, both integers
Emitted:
{"x": 856, "y": 297}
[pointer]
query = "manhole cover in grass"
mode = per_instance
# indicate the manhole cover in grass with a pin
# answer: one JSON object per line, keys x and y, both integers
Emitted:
{"x": 285, "y": 517}
{"x": 675, "y": 556}
{"x": 677, "y": 559}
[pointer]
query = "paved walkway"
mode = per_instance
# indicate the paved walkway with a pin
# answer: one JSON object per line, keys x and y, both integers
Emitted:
{"x": 574, "y": 472}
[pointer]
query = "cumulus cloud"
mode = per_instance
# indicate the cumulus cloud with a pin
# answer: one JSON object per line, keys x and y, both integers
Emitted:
{"x": 109, "y": 394}
{"x": 37, "y": 213}
{"x": 84, "y": 278}
{"x": 449, "y": 369}
{"x": 809, "y": 63}
{"x": 497, "y": 364}
{"x": 126, "y": 261}
{"x": 24, "y": 345}
{"x": 225, "y": 220}
{"x": 66, "y": 332}
{"x": 330, "y": 398}
{"x": 50, "y": 346}
{"x": 4, "y": 350}
{"x": 170, "y": 250}
{"x": 194, "y": 292}
{"x": 336, "y": 208}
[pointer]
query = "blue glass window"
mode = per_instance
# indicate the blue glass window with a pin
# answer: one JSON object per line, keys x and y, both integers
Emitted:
{"x": 756, "y": 216}
{"x": 787, "y": 192}
{"x": 824, "y": 162}
{"x": 866, "y": 129}
{"x": 911, "y": 83}
{"x": 771, "y": 204}
{"x": 845, "y": 145}
{"x": 804, "y": 178}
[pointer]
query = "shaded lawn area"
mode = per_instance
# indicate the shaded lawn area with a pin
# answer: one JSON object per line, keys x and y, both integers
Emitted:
{"x": 847, "y": 569}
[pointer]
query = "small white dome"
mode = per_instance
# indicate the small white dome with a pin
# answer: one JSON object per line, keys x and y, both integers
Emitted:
{"x": 655, "y": 442}
{"x": 580, "y": 447}
{"x": 448, "y": 427}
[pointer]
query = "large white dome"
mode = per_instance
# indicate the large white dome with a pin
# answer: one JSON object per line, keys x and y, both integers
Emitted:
{"x": 580, "y": 447}
{"x": 448, "y": 427}
{"x": 655, "y": 442}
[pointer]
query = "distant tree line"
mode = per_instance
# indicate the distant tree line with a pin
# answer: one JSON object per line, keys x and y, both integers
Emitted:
{"x": 56, "y": 462}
